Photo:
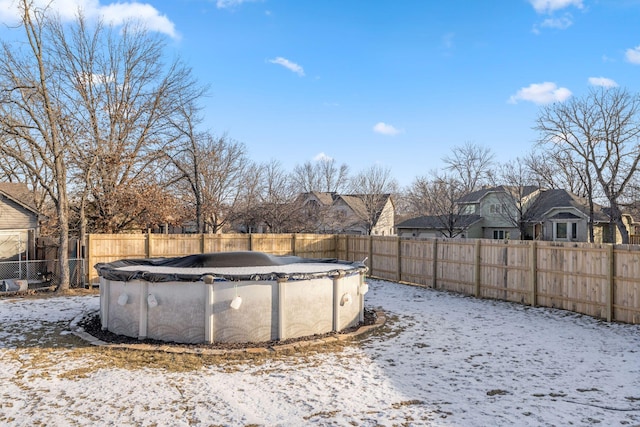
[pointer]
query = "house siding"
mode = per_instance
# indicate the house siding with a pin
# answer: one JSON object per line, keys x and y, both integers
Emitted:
{"x": 13, "y": 216}
{"x": 18, "y": 228}
{"x": 384, "y": 226}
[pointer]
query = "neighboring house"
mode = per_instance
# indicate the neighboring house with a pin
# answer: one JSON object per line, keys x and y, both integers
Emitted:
{"x": 351, "y": 213}
{"x": 488, "y": 213}
{"x": 562, "y": 216}
{"x": 506, "y": 212}
{"x": 502, "y": 209}
{"x": 19, "y": 226}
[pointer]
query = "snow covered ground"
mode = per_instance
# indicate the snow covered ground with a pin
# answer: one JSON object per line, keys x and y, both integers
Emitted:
{"x": 441, "y": 360}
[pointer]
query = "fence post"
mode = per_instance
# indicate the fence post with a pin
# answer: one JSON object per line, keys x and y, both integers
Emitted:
{"x": 371, "y": 253}
{"x": 346, "y": 253}
{"x": 399, "y": 259}
{"x": 149, "y": 244}
{"x": 434, "y": 284}
{"x": 293, "y": 243}
{"x": 202, "y": 243}
{"x": 250, "y": 241}
{"x": 89, "y": 257}
{"x": 610, "y": 284}
{"x": 533, "y": 275}
{"x": 476, "y": 270}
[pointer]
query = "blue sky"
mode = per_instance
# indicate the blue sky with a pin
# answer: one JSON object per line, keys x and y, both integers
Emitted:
{"x": 396, "y": 83}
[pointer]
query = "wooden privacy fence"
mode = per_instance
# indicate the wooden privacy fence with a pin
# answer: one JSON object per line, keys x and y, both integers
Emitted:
{"x": 599, "y": 280}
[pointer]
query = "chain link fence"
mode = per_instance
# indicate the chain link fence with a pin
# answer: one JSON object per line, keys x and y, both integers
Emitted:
{"x": 40, "y": 274}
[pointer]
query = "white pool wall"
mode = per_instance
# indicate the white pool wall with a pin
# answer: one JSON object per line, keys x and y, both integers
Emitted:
{"x": 199, "y": 312}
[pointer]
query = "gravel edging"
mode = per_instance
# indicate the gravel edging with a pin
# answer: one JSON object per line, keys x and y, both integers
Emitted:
{"x": 289, "y": 347}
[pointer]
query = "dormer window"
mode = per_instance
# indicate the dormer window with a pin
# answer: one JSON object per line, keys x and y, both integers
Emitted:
{"x": 468, "y": 210}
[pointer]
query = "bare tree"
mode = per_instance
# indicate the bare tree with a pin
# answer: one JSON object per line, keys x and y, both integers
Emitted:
{"x": 280, "y": 205}
{"x": 553, "y": 168}
{"x": 603, "y": 129}
{"x": 419, "y": 195}
{"x": 126, "y": 98}
{"x": 373, "y": 186}
{"x": 35, "y": 121}
{"x": 558, "y": 166}
{"x": 519, "y": 194}
{"x": 471, "y": 165}
{"x": 322, "y": 175}
{"x": 437, "y": 196}
{"x": 248, "y": 212}
{"x": 85, "y": 112}
{"x": 223, "y": 168}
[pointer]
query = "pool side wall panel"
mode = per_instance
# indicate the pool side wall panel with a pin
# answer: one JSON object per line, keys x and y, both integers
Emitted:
{"x": 124, "y": 319}
{"x": 179, "y": 315}
{"x": 308, "y": 308}
{"x": 257, "y": 318}
{"x": 349, "y": 313}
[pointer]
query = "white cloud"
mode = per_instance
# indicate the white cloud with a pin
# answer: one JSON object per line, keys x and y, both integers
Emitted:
{"x": 541, "y": 93}
{"x": 602, "y": 81}
{"x": 321, "y": 157}
{"x": 118, "y": 13}
{"x": 633, "y": 55}
{"x": 560, "y": 23}
{"x": 114, "y": 13}
{"x": 288, "y": 64}
{"x": 227, "y": 4}
{"x": 550, "y": 6}
{"x": 385, "y": 129}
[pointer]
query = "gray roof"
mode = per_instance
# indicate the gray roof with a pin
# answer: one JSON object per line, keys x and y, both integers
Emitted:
{"x": 476, "y": 196}
{"x": 562, "y": 199}
{"x": 19, "y": 193}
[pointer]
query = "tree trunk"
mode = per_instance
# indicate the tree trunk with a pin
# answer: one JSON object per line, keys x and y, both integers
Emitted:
{"x": 63, "y": 242}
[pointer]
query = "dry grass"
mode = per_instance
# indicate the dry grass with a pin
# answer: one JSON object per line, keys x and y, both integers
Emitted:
{"x": 76, "y": 359}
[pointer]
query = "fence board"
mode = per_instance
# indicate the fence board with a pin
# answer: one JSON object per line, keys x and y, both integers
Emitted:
{"x": 385, "y": 261}
{"x": 358, "y": 249}
{"x": 598, "y": 280}
{"x": 416, "y": 261}
{"x": 626, "y": 295}
{"x": 226, "y": 242}
{"x": 563, "y": 283}
{"x": 173, "y": 245}
{"x": 275, "y": 244}
{"x": 315, "y": 246}
{"x": 505, "y": 271}
{"x": 456, "y": 265}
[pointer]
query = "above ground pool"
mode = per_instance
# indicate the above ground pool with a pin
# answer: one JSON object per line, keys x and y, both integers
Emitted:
{"x": 230, "y": 297}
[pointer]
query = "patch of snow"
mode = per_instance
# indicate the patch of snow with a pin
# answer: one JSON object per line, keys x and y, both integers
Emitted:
{"x": 441, "y": 360}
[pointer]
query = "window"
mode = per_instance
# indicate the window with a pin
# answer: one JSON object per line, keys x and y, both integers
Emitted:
{"x": 500, "y": 234}
{"x": 469, "y": 210}
{"x": 497, "y": 208}
{"x": 562, "y": 230}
